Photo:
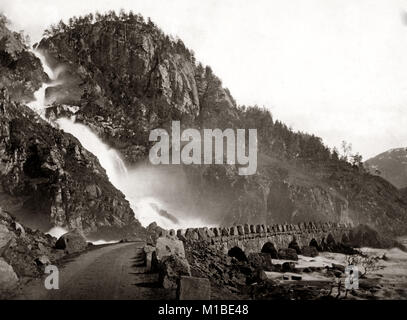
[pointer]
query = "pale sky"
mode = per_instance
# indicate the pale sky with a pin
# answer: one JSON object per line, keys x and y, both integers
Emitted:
{"x": 335, "y": 68}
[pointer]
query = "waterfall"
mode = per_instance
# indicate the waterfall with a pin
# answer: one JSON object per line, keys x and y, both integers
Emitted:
{"x": 108, "y": 158}
{"x": 133, "y": 184}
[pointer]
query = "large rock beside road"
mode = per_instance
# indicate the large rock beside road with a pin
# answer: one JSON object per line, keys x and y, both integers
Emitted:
{"x": 71, "y": 242}
{"x": 8, "y": 279}
{"x": 169, "y": 245}
{"x": 171, "y": 269}
{"x": 5, "y": 236}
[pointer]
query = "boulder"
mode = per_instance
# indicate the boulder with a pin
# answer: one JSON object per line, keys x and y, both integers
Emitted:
{"x": 171, "y": 268}
{"x": 287, "y": 254}
{"x": 191, "y": 288}
{"x": 8, "y": 279}
{"x": 71, "y": 242}
{"x": 167, "y": 246}
{"x": 309, "y": 251}
{"x": 6, "y": 236}
{"x": 42, "y": 261}
{"x": 260, "y": 261}
{"x": 270, "y": 249}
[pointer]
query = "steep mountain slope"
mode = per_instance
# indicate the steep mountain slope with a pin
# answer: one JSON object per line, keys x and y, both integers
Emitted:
{"x": 391, "y": 165}
{"x": 127, "y": 78}
{"x": 48, "y": 179}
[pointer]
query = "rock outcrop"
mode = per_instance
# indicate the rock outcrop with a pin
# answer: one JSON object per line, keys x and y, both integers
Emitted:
{"x": 8, "y": 279}
{"x": 20, "y": 70}
{"x": 48, "y": 179}
{"x": 22, "y": 254}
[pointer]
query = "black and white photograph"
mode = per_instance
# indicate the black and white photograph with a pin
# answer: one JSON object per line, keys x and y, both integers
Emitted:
{"x": 203, "y": 150}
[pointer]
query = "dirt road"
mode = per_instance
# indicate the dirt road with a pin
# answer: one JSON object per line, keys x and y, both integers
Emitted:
{"x": 105, "y": 273}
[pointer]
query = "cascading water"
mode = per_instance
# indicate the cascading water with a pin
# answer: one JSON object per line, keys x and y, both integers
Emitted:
{"x": 39, "y": 104}
{"x": 130, "y": 183}
{"x": 109, "y": 158}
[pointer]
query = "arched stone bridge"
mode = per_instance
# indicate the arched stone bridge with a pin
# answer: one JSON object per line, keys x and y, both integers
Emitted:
{"x": 251, "y": 238}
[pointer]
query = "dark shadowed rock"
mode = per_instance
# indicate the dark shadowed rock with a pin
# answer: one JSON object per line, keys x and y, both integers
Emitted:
{"x": 50, "y": 175}
{"x": 287, "y": 254}
{"x": 288, "y": 267}
{"x": 71, "y": 242}
{"x": 260, "y": 261}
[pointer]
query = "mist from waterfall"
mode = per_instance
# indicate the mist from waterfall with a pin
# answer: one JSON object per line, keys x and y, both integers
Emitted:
{"x": 147, "y": 190}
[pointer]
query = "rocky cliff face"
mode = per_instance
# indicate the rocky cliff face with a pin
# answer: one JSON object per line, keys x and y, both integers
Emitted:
{"x": 127, "y": 78}
{"x": 391, "y": 165}
{"x": 20, "y": 71}
{"x": 48, "y": 179}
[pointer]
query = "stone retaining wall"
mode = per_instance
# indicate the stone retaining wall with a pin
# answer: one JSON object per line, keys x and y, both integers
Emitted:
{"x": 251, "y": 238}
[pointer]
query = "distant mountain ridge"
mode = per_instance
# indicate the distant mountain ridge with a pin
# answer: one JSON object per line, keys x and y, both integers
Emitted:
{"x": 391, "y": 165}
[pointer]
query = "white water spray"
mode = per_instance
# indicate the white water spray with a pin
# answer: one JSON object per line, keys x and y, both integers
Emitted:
{"x": 109, "y": 158}
{"x": 130, "y": 183}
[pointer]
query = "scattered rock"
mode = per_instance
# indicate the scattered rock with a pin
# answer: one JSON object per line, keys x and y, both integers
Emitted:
{"x": 260, "y": 261}
{"x": 287, "y": 254}
{"x": 19, "y": 229}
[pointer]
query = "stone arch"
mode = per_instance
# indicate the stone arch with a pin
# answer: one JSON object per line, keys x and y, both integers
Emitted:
{"x": 269, "y": 248}
{"x": 314, "y": 243}
{"x": 237, "y": 253}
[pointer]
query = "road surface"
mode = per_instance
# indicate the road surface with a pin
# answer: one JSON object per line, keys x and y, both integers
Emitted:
{"x": 105, "y": 273}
